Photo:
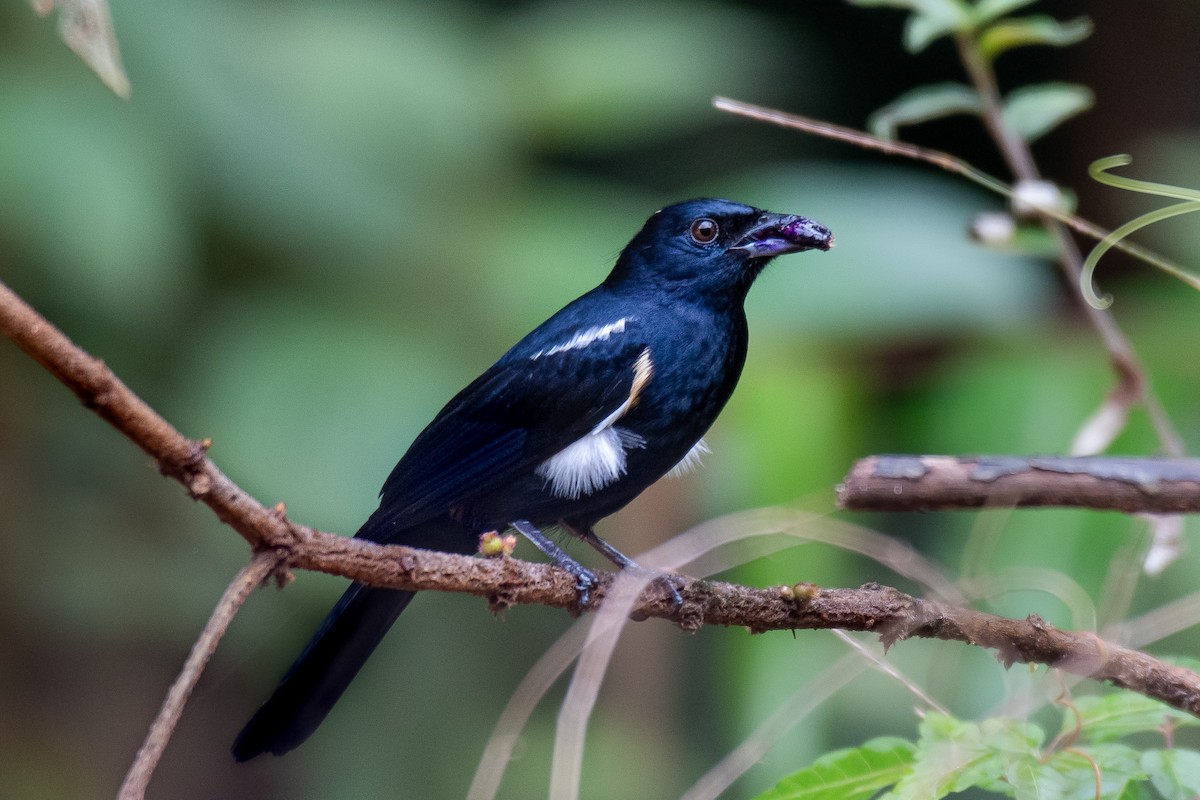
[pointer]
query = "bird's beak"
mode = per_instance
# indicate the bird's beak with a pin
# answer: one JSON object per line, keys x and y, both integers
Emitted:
{"x": 776, "y": 234}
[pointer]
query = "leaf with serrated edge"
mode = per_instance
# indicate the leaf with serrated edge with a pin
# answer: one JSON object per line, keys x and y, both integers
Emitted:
{"x": 1070, "y": 775}
{"x": 1109, "y": 717}
{"x": 954, "y": 755}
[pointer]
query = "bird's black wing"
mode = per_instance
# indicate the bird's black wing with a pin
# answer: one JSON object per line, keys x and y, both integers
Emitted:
{"x": 503, "y": 425}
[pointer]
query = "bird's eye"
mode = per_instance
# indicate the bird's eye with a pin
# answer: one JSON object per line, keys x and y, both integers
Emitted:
{"x": 704, "y": 231}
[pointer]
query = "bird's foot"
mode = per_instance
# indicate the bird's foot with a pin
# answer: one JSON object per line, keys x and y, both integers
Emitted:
{"x": 585, "y": 579}
{"x": 671, "y": 584}
{"x": 668, "y": 582}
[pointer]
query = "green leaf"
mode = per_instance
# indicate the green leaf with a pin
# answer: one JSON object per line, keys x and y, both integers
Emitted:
{"x": 1174, "y": 773}
{"x": 1072, "y": 773}
{"x": 954, "y": 755}
{"x": 987, "y": 10}
{"x": 1032, "y": 111}
{"x": 922, "y": 104}
{"x": 1032, "y": 780}
{"x": 1023, "y": 777}
{"x": 853, "y": 774}
{"x": 1042, "y": 30}
{"x": 920, "y": 30}
{"x": 930, "y": 19}
{"x": 1134, "y": 790}
{"x": 1109, "y": 717}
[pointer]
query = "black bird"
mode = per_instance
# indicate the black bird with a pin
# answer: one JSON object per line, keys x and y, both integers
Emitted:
{"x": 600, "y": 401}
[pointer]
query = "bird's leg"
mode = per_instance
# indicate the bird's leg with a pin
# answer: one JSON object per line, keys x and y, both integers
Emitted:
{"x": 585, "y": 579}
{"x": 664, "y": 579}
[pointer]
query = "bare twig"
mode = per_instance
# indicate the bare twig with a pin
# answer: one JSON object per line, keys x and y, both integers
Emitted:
{"x": 841, "y": 133}
{"x": 249, "y": 578}
{"x": 1012, "y": 147}
{"x": 1132, "y": 386}
{"x": 932, "y": 483}
{"x": 938, "y": 158}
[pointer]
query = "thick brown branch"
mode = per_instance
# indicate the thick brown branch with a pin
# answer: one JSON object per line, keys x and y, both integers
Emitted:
{"x": 506, "y": 581}
{"x": 888, "y": 612}
{"x": 931, "y": 483}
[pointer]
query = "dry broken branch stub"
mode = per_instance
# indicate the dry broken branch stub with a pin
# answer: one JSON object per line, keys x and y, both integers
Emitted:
{"x": 932, "y": 483}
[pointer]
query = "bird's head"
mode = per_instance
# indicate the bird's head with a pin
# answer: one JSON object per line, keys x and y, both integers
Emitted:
{"x": 713, "y": 246}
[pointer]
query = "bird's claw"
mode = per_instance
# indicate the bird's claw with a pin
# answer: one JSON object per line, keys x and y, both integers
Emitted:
{"x": 666, "y": 581}
{"x": 585, "y": 581}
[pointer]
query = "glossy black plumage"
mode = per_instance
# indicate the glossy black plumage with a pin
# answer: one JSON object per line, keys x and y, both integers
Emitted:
{"x": 568, "y": 426}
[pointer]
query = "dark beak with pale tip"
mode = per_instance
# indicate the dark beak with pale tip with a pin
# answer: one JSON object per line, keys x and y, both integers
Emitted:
{"x": 777, "y": 234}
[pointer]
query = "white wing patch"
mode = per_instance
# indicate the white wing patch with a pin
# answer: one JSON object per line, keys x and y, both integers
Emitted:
{"x": 598, "y": 458}
{"x": 690, "y": 461}
{"x": 598, "y": 333}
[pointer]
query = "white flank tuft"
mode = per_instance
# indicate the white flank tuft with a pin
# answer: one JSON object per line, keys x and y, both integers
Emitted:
{"x": 597, "y": 459}
{"x": 582, "y": 339}
{"x": 690, "y": 461}
{"x": 589, "y": 463}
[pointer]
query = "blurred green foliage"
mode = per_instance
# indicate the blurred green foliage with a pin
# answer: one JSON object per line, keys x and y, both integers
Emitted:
{"x": 314, "y": 222}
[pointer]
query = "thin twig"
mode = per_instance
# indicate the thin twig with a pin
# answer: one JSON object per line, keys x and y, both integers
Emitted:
{"x": 841, "y": 133}
{"x": 1132, "y": 385}
{"x": 938, "y": 158}
{"x": 249, "y": 578}
{"x": 1012, "y": 147}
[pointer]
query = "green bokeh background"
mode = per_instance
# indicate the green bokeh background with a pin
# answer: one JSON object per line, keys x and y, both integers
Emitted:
{"x": 315, "y": 221}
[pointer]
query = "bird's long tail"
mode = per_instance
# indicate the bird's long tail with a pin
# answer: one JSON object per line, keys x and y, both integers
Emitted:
{"x": 344, "y": 642}
{"x": 338, "y": 650}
